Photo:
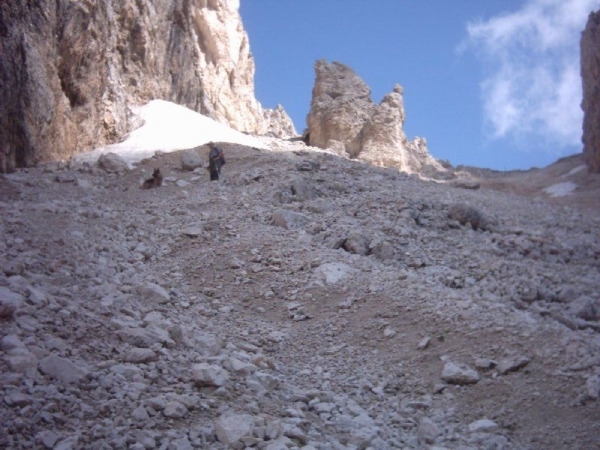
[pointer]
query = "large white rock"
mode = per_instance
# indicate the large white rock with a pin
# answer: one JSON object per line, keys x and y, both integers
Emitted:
{"x": 112, "y": 163}
{"x": 334, "y": 272}
{"x": 205, "y": 374}
{"x": 289, "y": 220}
{"x": 152, "y": 292}
{"x": 454, "y": 374}
{"x": 62, "y": 369}
{"x": 483, "y": 426}
{"x": 190, "y": 159}
{"x": 19, "y": 359}
{"x": 231, "y": 428}
{"x": 11, "y": 341}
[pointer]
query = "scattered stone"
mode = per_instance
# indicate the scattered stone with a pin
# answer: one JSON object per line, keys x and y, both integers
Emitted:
{"x": 231, "y": 428}
{"x": 484, "y": 363}
{"x": 47, "y": 438}
{"x": 112, "y": 163}
{"x": 140, "y": 355}
{"x": 151, "y": 292}
{"x": 21, "y": 360}
{"x": 70, "y": 443}
{"x": 356, "y": 243}
{"x": 140, "y": 414}
{"x": 512, "y": 364}
{"x": 307, "y": 166}
{"x": 455, "y": 374}
{"x": 389, "y": 332}
{"x": 144, "y": 337}
{"x": 289, "y": 220}
{"x": 585, "y": 308}
{"x": 483, "y": 426}
{"x": 464, "y": 214}
{"x": 17, "y": 399}
{"x": 11, "y": 341}
{"x": 190, "y": 159}
{"x": 302, "y": 190}
{"x": 128, "y": 371}
{"x": 466, "y": 184}
{"x": 106, "y": 278}
{"x": 332, "y": 273}
{"x": 427, "y": 431}
{"x": 209, "y": 375}
{"x": 175, "y": 410}
{"x": 593, "y": 387}
{"x": 9, "y": 303}
{"x": 424, "y": 343}
{"x": 62, "y": 369}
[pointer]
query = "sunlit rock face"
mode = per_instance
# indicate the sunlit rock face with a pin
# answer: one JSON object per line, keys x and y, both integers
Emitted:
{"x": 590, "y": 74}
{"x": 343, "y": 117}
{"x": 70, "y": 71}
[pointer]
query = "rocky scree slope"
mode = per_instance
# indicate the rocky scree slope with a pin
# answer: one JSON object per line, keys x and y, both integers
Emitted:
{"x": 70, "y": 71}
{"x": 303, "y": 301}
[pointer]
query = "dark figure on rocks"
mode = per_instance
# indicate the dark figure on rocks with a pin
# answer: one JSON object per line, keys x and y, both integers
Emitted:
{"x": 216, "y": 160}
{"x": 155, "y": 181}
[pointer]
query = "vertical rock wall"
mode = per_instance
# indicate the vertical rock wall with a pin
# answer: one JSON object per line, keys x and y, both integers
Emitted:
{"x": 69, "y": 71}
{"x": 590, "y": 75}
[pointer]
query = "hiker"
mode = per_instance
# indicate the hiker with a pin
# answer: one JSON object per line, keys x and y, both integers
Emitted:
{"x": 216, "y": 159}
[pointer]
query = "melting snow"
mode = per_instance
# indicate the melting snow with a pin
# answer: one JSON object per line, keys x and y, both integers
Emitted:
{"x": 560, "y": 189}
{"x": 169, "y": 127}
{"x": 575, "y": 170}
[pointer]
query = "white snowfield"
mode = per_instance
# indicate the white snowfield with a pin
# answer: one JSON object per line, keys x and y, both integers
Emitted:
{"x": 561, "y": 189}
{"x": 168, "y": 127}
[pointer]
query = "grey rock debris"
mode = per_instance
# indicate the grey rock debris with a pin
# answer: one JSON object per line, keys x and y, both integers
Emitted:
{"x": 157, "y": 319}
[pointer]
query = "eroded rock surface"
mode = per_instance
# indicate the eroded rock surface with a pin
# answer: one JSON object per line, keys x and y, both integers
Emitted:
{"x": 590, "y": 75}
{"x": 71, "y": 71}
{"x": 343, "y": 116}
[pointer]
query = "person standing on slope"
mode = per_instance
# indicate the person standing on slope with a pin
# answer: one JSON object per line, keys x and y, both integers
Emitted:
{"x": 216, "y": 160}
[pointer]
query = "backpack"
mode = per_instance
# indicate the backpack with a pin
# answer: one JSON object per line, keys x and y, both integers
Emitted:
{"x": 216, "y": 154}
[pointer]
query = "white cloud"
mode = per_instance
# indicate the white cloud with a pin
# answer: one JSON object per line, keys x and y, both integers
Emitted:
{"x": 532, "y": 90}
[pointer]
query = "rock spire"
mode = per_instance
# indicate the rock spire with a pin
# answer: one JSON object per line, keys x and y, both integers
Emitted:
{"x": 343, "y": 117}
{"x": 590, "y": 75}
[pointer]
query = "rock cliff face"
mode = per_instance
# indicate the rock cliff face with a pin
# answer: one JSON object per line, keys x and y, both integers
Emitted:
{"x": 343, "y": 116}
{"x": 70, "y": 71}
{"x": 590, "y": 75}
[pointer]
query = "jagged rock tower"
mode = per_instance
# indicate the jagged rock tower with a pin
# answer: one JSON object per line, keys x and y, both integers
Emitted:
{"x": 590, "y": 75}
{"x": 69, "y": 71}
{"x": 343, "y": 117}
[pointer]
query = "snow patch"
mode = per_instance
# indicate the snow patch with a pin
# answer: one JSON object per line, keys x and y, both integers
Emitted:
{"x": 168, "y": 127}
{"x": 560, "y": 189}
{"x": 574, "y": 171}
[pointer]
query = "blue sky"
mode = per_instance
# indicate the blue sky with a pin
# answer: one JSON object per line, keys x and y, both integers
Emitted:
{"x": 492, "y": 83}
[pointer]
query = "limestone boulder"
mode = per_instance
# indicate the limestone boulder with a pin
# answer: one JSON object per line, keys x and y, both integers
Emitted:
{"x": 62, "y": 369}
{"x": 232, "y": 427}
{"x": 289, "y": 220}
{"x": 455, "y": 374}
{"x": 112, "y": 163}
{"x": 190, "y": 159}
